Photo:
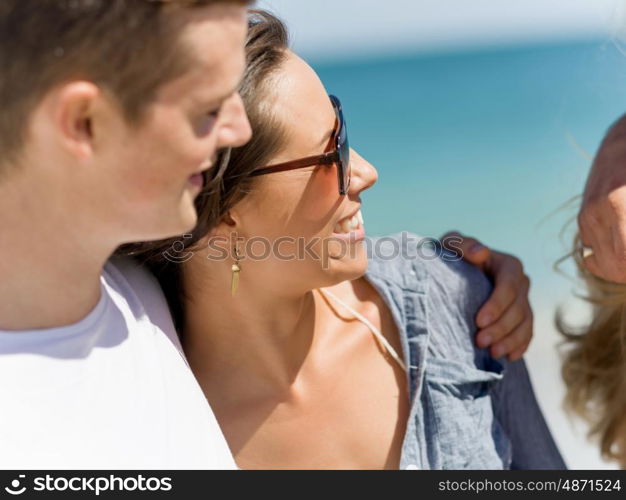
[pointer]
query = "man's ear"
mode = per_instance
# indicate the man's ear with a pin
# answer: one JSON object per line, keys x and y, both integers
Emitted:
{"x": 74, "y": 110}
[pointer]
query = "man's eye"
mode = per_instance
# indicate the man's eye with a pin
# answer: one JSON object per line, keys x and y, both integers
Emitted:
{"x": 206, "y": 122}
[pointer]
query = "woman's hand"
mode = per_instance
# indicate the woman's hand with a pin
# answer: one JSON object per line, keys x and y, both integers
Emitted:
{"x": 506, "y": 319}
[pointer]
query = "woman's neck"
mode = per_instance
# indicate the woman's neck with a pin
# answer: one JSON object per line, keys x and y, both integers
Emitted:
{"x": 256, "y": 334}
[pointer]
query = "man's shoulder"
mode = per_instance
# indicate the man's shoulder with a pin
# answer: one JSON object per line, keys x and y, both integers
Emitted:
{"x": 133, "y": 280}
{"x": 128, "y": 272}
{"x": 141, "y": 290}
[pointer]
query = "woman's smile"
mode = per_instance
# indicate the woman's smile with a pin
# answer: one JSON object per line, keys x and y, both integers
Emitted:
{"x": 350, "y": 228}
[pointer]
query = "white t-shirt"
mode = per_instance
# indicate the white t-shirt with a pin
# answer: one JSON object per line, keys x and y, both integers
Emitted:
{"x": 112, "y": 391}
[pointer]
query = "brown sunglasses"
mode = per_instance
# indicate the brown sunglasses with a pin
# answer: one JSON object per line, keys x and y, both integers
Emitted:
{"x": 339, "y": 156}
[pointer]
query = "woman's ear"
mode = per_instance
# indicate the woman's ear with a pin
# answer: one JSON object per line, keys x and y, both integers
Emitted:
{"x": 226, "y": 226}
{"x": 220, "y": 240}
{"x": 229, "y": 221}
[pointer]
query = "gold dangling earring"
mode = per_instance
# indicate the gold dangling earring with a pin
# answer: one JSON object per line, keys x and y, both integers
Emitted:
{"x": 234, "y": 281}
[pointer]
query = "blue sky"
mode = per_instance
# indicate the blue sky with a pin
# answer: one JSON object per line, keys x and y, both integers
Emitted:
{"x": 334, "y": 29}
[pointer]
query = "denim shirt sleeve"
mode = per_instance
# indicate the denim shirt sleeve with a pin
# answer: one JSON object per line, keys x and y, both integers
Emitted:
{"x": 466, "y": 405}
{"x": 460, "y": 378}
{"x": 518, "y": 411}
{"x": 458, "y": 291}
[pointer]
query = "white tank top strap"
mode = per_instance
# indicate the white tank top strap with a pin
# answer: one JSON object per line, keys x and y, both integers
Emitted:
{"x": 375, "y": 331}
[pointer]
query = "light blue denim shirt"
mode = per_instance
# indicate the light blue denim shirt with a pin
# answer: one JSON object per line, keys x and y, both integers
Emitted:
{"x": 467, "y": 410}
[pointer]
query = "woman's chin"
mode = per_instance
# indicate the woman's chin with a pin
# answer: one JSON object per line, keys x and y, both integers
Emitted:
{"x": 348, "y": 267}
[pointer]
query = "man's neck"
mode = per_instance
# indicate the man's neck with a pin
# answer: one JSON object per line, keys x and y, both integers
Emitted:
{"x": 50, "y": 260}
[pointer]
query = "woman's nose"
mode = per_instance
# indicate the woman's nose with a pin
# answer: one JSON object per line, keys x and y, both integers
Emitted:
{"x": 363, "y": 175}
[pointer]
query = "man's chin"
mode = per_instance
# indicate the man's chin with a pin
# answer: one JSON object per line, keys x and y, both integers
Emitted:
{"x": 188, "y": 221}
{"x": 181, "y": 226}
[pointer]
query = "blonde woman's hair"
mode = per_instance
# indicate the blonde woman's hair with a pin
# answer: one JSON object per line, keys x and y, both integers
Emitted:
{"x": 594, "y": 368}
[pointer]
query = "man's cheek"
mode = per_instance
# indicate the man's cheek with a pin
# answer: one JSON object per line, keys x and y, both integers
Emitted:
{"x": 154, "y": 181}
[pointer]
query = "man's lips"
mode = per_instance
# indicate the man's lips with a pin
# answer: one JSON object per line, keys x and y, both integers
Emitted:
{"x": 197, "y": 180}
{"x": 208, "y": 165}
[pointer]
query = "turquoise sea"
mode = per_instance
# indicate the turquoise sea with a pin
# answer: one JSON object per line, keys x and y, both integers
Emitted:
{"x": 488, "y": 142}
{"x": 492, "y": 143}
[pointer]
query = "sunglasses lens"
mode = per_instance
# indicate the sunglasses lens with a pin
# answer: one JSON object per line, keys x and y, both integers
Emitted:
{"x": 343, "y": 148}
{"x": 344, "y": 154}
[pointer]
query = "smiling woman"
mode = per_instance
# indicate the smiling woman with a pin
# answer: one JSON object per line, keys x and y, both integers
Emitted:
{"x": 347, "y": 360}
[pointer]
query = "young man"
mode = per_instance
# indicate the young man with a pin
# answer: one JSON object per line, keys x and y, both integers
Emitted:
{"x": 111, "y": 111}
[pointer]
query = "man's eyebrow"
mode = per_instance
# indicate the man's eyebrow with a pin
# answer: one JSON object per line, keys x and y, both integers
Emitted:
{"x": 220, "y": 100}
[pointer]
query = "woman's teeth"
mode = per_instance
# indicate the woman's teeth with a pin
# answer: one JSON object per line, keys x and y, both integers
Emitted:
{"x": 349, "y": 225}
